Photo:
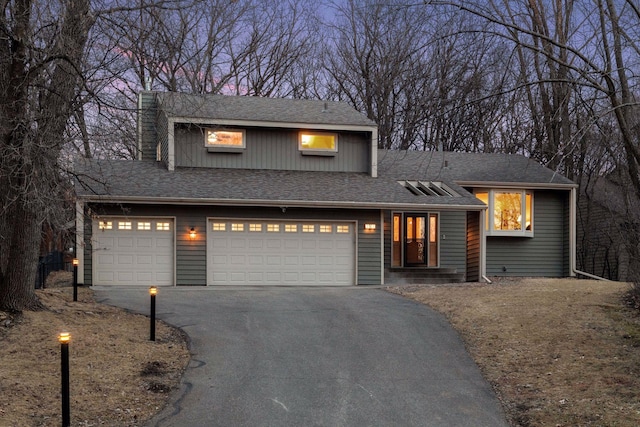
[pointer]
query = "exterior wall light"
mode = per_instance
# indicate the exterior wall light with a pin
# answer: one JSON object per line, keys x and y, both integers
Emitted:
{"x": 192, "y": 233}
{"x": 370, "y": 226}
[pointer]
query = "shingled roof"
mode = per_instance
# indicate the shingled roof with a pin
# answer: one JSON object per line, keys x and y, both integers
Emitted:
{"x": 468, "y": 168}
{"x": 258, "y": 109}
{"x": 135, "y": 181}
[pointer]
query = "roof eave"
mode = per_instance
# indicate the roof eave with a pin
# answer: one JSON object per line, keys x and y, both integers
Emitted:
{"x": 262, "y": 123}
{"x": 277, "y": 203}
{"x": 517, "y": 185}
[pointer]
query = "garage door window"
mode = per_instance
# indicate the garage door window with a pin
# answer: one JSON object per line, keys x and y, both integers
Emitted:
{"x": 325, "y": 229}
{"x": 163, "y": 226}
{"x": 308, "y": 228}
{"x": 237, "y": 227}
{"x": 124, "y": 225}
{"x": 255, "y": 227}
{"x": 273, "y": 228}
{"x": 342, "y": 229}
{"x": 106, "y": 225}
{"x": 290, "y": 228}
{"x": 144, "y": 226}
{"x": 219, "y": 226}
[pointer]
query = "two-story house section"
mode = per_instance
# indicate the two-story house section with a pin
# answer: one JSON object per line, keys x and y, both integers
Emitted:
{"x": 260, "y": 191}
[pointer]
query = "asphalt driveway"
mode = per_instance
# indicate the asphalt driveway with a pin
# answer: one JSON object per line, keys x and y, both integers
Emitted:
{"x": 316, "y": 357}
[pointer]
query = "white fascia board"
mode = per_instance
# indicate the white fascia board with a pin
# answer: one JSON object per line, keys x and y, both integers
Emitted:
{"x": 281, "y": 203}
{"x": 494, "y": 185}
{"x": 266, "y": 124}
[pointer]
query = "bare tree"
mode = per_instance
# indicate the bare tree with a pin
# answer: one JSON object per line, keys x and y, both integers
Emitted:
{"x": 40, "y": 55}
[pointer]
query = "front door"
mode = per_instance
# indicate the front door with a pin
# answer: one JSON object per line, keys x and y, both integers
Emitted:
{"x": 415, "y": 240}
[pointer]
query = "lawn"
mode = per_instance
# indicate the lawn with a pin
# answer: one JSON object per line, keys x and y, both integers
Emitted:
{"x": 558, "y": 352}
{"x": 117, "y": 376}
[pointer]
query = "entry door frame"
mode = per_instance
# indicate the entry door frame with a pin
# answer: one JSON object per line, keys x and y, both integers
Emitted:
{"x": 402, "y": 237}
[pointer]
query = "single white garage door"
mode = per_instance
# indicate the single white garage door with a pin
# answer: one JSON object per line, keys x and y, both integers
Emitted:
{"x": 280, "y": 253}
{"x": 133, "y": 251}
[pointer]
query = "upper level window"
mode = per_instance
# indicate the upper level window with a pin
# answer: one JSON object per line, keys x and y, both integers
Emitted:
{"x": 510, "y": 212}
{"x": 318, "y": 143}
{"x": 224, "y": 139}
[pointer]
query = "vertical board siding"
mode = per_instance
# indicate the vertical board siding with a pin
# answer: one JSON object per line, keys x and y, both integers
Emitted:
{"x": 541, "y": 255}
{"x": 271, "y": 149}
{"x": 191, "y": 257}
{"x": 163, "y": 138}
{"x": 473, "y": 246}
{"x": 453, "y": 240}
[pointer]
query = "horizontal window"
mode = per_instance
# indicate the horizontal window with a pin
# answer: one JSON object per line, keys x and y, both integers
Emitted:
{"x": 342, "y": 229}
{"x": 290, "y": 228}
{"x": 237, "y": 227}
{"x": 219, "y": 226}
{"x": 308, "y": 228}
{"x": 318, "y": 143}
{"x": 255, "y": 227}
{"x": 273, "y": 228}
{"x": 215, "y": 138}
{"x": 325, "y": 228}
{"x": 510, "y": 212}
{"x": 144, "y": 226}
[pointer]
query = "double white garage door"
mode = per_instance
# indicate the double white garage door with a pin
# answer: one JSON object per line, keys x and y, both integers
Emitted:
{"x": 280, "y": 253}
{"x": 142, "y": 252}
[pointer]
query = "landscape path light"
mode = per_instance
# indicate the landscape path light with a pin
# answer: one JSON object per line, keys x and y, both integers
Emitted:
{"x": 153, "y": 291}
{"x": 75, "y": 263}
{"x": 64, "y": 339}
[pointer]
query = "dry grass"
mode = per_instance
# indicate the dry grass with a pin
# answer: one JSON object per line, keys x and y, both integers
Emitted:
{"x": 559, "y": 352}
{"x": 117, "y": 376}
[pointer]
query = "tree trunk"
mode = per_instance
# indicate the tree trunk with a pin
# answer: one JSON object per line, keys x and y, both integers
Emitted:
{"x": 17, "y": 284}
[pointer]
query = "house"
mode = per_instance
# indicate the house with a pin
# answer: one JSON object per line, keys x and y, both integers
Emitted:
{"x": 258, "y": 191}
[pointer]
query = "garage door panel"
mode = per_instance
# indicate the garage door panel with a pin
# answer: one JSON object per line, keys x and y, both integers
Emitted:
{"x": 280, "y": 253}
{"x": 138, "y": 255}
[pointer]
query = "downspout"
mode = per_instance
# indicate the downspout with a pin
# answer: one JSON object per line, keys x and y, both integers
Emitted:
{"x": 573, "y": 227}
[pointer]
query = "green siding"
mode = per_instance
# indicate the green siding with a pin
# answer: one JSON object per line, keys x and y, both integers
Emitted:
{"x": 542, "y": 255}
{"x": 190, "y": 256}
{"x": 453, "y": 240}
{"x": 88, "y": 249}
{"x": 271, "y": 149}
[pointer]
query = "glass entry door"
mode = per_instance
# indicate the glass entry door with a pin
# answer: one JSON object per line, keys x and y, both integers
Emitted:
{"x": 415, "y": 240}
{"x": 415, "y": 231}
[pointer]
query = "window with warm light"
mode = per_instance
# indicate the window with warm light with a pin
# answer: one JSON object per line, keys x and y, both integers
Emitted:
{"x": 106, "y": 225}
{"x": 325, "y": 228}
{"x": 255, "y": 227}
{"x": 290, "y": 228}
{"x": 318, "y": 142}
{"x": 308, "y": 228}
{"x": 510, "y": 212}
{"x": 342, "y": 229}
{"x": 215, "y": 138}
{"x": 124, "y": 225}
{"x": 144, "y": 226}
{"x": 163, "y": 226}
{"x": 273, "y": 228}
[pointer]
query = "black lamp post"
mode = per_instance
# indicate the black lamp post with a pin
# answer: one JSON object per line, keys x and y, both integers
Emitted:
{"x": 75, "y": 263}
{"x": 153, "y": 291}
{"x": 64, "y": 339}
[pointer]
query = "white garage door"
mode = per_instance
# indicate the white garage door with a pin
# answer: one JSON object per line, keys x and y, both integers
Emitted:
{"x": 133, "y": 251}
{"x": 280, "y": 253}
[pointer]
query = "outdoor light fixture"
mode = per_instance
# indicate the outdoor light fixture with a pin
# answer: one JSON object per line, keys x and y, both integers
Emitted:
{"x": 370, "y": 226}
{"x": 192, "y": 233}
{"x": 153, "y": 291}
{"x": 64, "y": 339}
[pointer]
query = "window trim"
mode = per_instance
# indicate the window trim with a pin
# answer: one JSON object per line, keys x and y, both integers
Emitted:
{"x": 222, "y": 148}
{"x": 317, "y": 151}
{"x": 489, "y": 223}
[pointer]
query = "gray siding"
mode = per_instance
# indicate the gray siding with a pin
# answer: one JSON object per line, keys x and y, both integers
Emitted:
{"x": 163, "y": 137}
{"x": 545, "y": 253}
{"x": 88, "y": 248}
{"x": 191, "y": 257}
{"x": 272, "y": 149}
{"x": 453, "y": 240}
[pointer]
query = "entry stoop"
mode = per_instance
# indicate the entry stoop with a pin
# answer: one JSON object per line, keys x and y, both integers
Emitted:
{"x": 417, "y": 276}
